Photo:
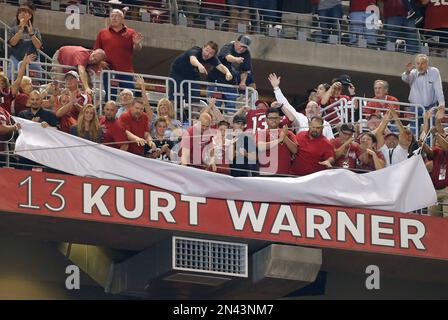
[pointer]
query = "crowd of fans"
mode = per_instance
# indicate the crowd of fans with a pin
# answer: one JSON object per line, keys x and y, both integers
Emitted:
{"x": 273, "y": 140}
{"x": 400, "y": 17}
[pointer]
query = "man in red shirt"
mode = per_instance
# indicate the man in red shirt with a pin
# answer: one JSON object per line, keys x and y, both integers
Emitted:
{"x": 80, "y": 58}
{"x": 276, "y": 146}
{"x": 334, "y": 94}
{"x": 136, "y": 125}
{"x": 436, "y": 19}
{"x": 119, "y": 42}
{"x": 346, "y": 151}
{"x": 315, "y": 152}
{"x": 195, "y": 142}
{"x": 381, "y": 88}
{"x": 112, "y": 131}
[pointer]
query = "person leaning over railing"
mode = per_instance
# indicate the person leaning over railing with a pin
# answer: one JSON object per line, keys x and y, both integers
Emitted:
{"x": 80, "y": 58}
{"x": 88, "y": 126}
{"x": 437, "y": 165}
{"x": 236, "y": 57}
{"x": 194, "y": 62}
{"x": 24, "y": 38}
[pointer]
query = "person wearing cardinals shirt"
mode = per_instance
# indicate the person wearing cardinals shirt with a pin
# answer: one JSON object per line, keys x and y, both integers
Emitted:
{"x": 71, "y": 101}
{"x": 315, "y": 153}
{"x": 345, "y": 149}
{"x": 119, "y": 42}
{"x": 256, "y": 119}
{"x": 436, "y": 18}
{"x": 276, "y": 146}
{"x": 297, "y": 119}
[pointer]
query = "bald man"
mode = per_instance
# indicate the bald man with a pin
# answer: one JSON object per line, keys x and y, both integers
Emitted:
{"x": 194, "y": 140}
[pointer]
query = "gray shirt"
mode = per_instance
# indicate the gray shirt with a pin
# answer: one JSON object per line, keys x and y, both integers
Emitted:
{"x": 25, "y": 44}
{"x": 327, "y": 4}
{"x": 426, "y": 88}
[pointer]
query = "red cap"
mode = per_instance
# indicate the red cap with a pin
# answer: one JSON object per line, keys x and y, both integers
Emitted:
{"x": 262, "y": 103}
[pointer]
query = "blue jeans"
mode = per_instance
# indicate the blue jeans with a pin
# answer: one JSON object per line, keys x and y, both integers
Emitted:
{"x": 327, "y": 23}
{"x": 394, "y": 31}
{"x": 358, "y": 27}
{"x": 32, "y": 66}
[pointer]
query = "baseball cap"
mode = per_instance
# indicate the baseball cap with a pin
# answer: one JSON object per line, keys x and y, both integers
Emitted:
{"x": 72, "y": 73}
{"x": 239, "y": 118}
{"x": 347, "y": 127}
{"x": 244, "y": 40}
{"x": 345, "y": 79}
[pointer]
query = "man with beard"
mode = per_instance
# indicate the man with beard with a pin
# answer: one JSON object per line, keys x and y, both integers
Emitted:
{"x": 299, "y": 120}
{"x": 135, "y": 122}
{"x": 112, "y": 131}
{"x": 315, "y": 152}
{"x": 37, "y": 114}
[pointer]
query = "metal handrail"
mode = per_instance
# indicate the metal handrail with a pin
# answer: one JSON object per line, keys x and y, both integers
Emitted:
{"x": 250, "y": 96}
{"x": 338, "y": 108}
{"x": 109, "y": 73}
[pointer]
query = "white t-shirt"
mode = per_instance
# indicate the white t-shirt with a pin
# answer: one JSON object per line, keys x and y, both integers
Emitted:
{"x": 397, "y": 154}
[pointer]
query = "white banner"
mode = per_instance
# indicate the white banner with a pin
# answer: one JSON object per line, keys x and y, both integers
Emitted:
{"x": 404, "y": 187}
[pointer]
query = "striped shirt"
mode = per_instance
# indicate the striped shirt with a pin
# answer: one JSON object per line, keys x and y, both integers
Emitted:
{"x": 426, "y": 88}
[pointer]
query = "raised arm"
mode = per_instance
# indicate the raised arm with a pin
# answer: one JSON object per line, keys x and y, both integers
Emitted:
{"x": 141, "y": 83}
{"x": 25, "y": 62}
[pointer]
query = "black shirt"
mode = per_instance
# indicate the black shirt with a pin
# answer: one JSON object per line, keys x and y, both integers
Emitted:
{"x": 43, "y": 115}
{"x": 159, "y": 144}
{"x": 234, "y": 68}
{"x": 181, "y": 66}
{"x": 242, "y": 166}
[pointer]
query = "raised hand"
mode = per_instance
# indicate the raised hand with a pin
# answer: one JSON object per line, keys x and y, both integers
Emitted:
{"x": 137, "y": 38}
{"x": 274, "y": 80}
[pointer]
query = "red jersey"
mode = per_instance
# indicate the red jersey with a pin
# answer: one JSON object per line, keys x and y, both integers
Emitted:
{"x": 370, "y": 165}
{"x": 311, "y": 152}
{"x": 15, "y": 104}
{"x": 394, "y": 8}
{"x": 348, "y": 160}
{"x": 378, "y": 105}
{"x": 436, "y": 14}
{"x": 276, "y": 160}
{"x": 71, "y": 118}
{"x": 118, "y": 47}
{"x": 192, "y": 139}
{"x": 256, "y": 120}
{"x": 7, "y": 99}
{"x": 137, "y": 127}
{"x": 438, "y": 174}
{"x": 112, "y": 132}
{"x": 220, "y": 4}
{"x": 361, "y": 5}
{"x": 74, "y": 56}
{"x": 5, "y": 120}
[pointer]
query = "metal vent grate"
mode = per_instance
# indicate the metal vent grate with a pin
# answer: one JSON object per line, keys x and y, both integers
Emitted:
{"x": 209, "y": 256}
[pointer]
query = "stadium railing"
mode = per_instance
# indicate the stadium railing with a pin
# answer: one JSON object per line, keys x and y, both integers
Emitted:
{"x": 271, "y": 23}
{"x": 157, "y": 86}
{"x": 337, "y": 112}
{"x": 228, "y": 98}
